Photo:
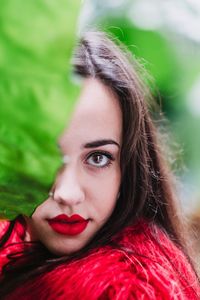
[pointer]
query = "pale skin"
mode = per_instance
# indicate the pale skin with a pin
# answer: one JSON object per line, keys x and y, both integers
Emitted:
{"x": 88, "y": 183}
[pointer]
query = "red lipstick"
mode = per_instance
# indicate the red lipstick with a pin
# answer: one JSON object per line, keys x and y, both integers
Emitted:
{"x": 68, "y": 225}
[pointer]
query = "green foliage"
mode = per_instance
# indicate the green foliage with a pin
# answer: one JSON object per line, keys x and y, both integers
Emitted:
{"x": 157, "y": 55}
{"x": 36, "y": 97}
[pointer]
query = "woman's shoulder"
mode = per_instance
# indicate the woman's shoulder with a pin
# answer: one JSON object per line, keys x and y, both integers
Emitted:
{"x": 12, "y": 233}
{"x": 153, "y": 246}
{"x": 4, "y": 224}
{"x": 143, "y": 235}
{"x": 13, "y": 230}
{"x": 146, "y": 237}
{"x": 158, "y": 261}
{"x": 137, "y": 269}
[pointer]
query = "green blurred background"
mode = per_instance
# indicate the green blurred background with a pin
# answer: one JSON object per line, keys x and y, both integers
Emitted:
{"x": 37, "y": 95}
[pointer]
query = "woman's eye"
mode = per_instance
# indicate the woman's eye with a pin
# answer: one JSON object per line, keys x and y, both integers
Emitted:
{"x": 99, "y": 160}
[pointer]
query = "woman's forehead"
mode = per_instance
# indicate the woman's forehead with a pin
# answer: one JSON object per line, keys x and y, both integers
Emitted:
{"x": 96, "y": 96}
{"x": 97, "y": 115}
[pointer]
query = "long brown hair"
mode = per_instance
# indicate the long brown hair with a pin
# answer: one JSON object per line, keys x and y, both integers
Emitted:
{"x": 147, "y": 185}
{"x": 146, "y": 189}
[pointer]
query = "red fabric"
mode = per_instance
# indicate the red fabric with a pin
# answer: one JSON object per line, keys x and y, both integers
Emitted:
{"x": 14, "y": 242}
{"x": 152, "y": 267}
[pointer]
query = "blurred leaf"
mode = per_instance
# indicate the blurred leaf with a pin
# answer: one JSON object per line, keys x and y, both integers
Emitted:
{"x": 36, "y": 97}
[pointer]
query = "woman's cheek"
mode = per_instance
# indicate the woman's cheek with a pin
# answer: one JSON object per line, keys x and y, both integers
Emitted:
{"x": 40, "y": 209}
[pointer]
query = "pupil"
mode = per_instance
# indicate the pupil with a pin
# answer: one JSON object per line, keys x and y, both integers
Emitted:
{"x": 98, "y": 158}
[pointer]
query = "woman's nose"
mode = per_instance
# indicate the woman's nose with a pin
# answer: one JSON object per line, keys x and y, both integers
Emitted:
{"x": 68, "y": 190}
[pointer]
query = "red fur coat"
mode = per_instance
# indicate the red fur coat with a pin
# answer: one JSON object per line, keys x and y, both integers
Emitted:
{"x": 151, "y": 267}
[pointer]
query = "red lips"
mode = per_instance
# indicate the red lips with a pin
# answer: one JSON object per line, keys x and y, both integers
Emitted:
{"x": 68, "y": 225}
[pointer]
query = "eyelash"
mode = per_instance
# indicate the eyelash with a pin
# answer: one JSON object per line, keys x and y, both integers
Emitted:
{"x": 105, "y": 153}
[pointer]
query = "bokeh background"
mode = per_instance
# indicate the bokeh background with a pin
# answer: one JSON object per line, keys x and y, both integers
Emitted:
{"x": 37, "y": 95}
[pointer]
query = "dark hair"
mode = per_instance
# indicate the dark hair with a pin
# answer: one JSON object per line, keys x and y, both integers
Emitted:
{"x": 146, "y": 189}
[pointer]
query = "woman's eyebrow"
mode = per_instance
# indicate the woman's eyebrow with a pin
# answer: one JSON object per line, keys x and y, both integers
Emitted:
{"x": 99, "y": 143}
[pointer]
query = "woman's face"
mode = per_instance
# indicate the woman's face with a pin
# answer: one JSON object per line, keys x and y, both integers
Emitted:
{"x": 86, "y": 188}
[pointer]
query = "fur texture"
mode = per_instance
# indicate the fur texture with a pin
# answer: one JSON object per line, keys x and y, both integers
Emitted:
{"x": 149, "y": 267}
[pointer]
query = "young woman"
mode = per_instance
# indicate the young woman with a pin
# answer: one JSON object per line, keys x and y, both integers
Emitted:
{"x": 110, "y": 228}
